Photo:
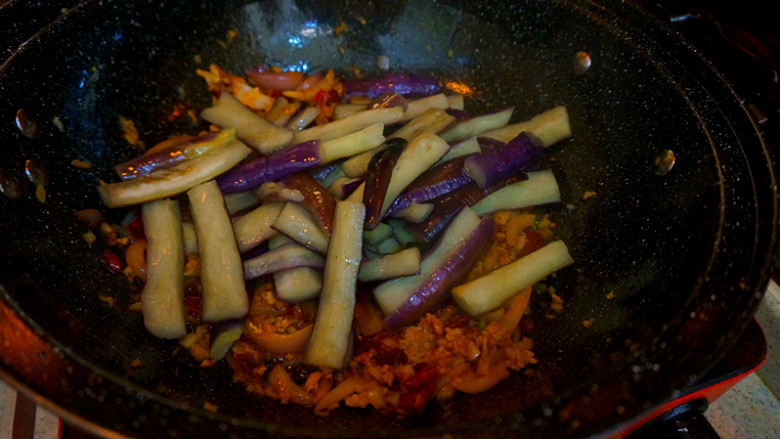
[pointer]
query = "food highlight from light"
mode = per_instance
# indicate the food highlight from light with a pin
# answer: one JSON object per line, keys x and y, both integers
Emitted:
{"x": 359, "y": 242}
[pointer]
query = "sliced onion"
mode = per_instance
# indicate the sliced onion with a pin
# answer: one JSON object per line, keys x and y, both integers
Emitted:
{"x": 281, "y": 81}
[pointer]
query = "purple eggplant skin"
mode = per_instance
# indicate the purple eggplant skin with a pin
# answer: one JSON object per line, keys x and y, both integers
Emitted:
{"x": 433, "y": 183}
{"x": 403, "y": 84}
{"x": 486, "y": 144}
{"x": 272, "y": 167}
{"x": 316, "y": 199}
{"x": 460, "y": 115}
{"x": 163, "y": 158}
{"x": 378, "y": 174}
{"x": 388, "y": 99}
{"x": 497, "y": 165}
{"x": 320, "y": 172}
{"x": 349, "y": 186}
{"x": 446, "y": 207}
{"x": 449, "y": 274}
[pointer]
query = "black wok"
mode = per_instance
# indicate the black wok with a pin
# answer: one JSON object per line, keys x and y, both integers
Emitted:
{"x": 686, "y": 253}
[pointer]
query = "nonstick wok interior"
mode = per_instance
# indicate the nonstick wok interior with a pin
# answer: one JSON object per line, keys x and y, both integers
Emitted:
{"x": 684, "y": 256}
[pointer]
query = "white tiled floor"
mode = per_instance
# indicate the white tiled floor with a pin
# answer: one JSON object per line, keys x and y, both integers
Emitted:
{"x": 751, "y": 409}
{"x": 46, "y": 424}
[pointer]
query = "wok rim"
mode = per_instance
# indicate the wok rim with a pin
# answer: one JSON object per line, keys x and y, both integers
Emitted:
{"x": 761, "y": 282}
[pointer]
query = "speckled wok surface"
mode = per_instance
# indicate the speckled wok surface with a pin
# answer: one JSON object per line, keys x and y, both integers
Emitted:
{"x": 686, "y": 254}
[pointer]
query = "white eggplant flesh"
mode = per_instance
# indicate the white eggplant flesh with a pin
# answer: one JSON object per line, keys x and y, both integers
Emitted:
{"x": 162, "y": 298}
{"x": 190, "y": 238}
{"x": 331, "y": 337}
{"x": 415, "y": 212}
{"x": 169, "y": 182}
{"x": 357, "y": 165}
{"x": 387, "y": 246}
{"x": 240, "y": 201}
{"x": 549, "y": 127}
{"x": 390, "y": 295}
{"x": 456, "y": 101}
{"x": 433, "y": 120}
{"x": 296, "y": 222}
{"x": 303, "y": 119}
{"x": 403, "y": 263}
{"x": 341, "y": 111}
{"x": 461, "y": 148}
{"x": 254, "y": 228}
{"x": 222, "y": 337}
{"x": 255, "y": 131}
{"x": 417, "y": 107}
{"x": 282, "y": 111}
{"x": 400, "y": 231}
{"x": 540, "y": 188}
{"x": 420, "y": 154}
{"x": 477, "y": 125}
{"x": 298, "y": 284}
{"x": 349, "y": 124}
{"x": 381, "y": 232}
{"x": 340, "y": 188}
{"x": 491, "y": 290}
{"x": 285, "y": 257}
{"x": 221, "y": 270}
{"x": 352, "y": 144}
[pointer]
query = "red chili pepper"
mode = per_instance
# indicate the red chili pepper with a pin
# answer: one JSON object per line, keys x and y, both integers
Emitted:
{"x": 384, "y": 354}
{"x": 426, "y": 374}
{"x": 415, "y": 402}
{"x": 193, "y": 298}
{"x": 526, "y": 326}
{"x": 323, "y": 97}
{"x": 534, "y": 243}
{"x": 460, "y": 322}
{"x": 136, "y": 228}
{"x": 193, "y": 305}
{"x": 112, "y": 260}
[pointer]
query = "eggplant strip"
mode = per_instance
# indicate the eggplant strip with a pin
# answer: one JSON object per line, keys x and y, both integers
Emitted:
{"x": 378, "y": 178}
{"x": 420, "y": 154}
{"x": 351, "y": 144}
{"x": 419, "y": 106}
{"x": 548, "y": 127}
{"x": 350, "y": 124}
{"x": 391, "y": 295}
{"x": 299, "y": 225}
{"x": 316, "y": 199}
{"x": 221, "y": 271}
{"x": 449, "y": 271}
{"x": 540, "y": 188}
{"x": 162, "y": 298}
{"x": 489, "y": 291}
{"x": 478, "y": 125}
{"x": 282, "y": 258}
{"x": 262, "y": 169}
{"x": 260, "y": 134}
{"x": 403, "y": 263}
{"x": 169, "y": 182}
{"x": 296, "y": 284}
{"x": 330, "y": 339}
{"x": 254, "y": 228}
